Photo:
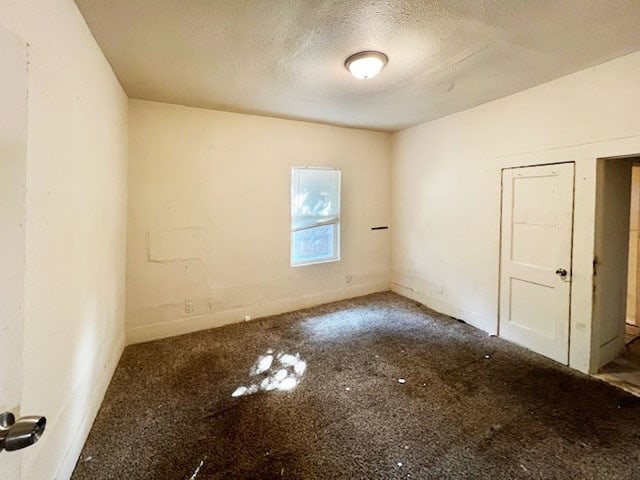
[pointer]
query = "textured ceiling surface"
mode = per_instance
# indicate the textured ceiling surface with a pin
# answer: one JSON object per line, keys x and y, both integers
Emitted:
{"x": 285, "y": 58}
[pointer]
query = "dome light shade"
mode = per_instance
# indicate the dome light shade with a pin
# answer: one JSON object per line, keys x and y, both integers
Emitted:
{"x": 365, "y": 65}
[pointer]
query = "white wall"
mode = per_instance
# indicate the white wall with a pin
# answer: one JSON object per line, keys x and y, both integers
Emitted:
{"x": 209, "y": 217}
{"x": 75, "y": 228}
{"x": 446, "y": 189}
{"x": 13, "y": 173}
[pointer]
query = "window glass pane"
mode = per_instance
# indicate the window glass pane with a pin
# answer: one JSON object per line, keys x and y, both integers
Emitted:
{"x": 315, "y": 196}
{"x": 312, "y": 244}
{"x": 315, "y": 215}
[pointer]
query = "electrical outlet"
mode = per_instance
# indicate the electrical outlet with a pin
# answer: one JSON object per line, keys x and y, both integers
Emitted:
{"x": 247, "y": 318}
{"x": 348, "y": 278}
{"x": 188, "y": 306}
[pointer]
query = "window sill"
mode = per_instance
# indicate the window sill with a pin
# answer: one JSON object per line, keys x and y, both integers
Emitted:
{"x": 316, "y": 262}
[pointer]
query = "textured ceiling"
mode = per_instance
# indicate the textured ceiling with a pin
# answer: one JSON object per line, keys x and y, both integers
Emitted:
{"x": 285, "y": 58}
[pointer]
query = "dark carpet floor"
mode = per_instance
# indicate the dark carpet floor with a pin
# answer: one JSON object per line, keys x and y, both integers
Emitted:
{"x": 472, "y": 406}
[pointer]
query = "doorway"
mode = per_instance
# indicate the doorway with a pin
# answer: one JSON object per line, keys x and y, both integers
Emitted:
{"x": 616, "y": 271}
{"x": 535, "y": 258}
{"x": 632, "y": 319}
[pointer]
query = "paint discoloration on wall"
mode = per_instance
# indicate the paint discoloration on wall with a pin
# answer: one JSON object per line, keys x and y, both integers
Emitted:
{"x": 176, "y": 244}
{"x": 76, "y": 194}
{"x": 209, "y": 217}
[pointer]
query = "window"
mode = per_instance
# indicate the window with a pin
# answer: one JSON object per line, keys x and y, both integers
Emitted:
{"x": 315, "y": 215}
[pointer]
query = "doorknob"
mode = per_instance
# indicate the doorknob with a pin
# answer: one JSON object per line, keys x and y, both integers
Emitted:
{"x": 562, "y": 272}
{"x": 17, "y": 434}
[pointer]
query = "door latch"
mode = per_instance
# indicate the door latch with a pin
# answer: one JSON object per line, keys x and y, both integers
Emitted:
{"x": 561, "y": 272}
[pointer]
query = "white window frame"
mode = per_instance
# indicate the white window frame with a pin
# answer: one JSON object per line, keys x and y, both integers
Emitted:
{"x": 336, "y": 222}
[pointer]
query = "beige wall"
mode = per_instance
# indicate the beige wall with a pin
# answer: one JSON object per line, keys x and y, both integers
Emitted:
{"x": 446, "y": 189}
{"x": 209, "y": 217}
{"x": 13, "y": 172}
{"x": 75, "y": 228}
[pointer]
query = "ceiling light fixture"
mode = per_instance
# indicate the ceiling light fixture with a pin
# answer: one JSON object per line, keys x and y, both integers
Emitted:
{"x": 365, "y": 65}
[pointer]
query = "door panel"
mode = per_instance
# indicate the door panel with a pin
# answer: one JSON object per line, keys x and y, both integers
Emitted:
{"x": 13, "y": 137}
{"x": 537, "y": 218}
{"x": 532, "y": 307}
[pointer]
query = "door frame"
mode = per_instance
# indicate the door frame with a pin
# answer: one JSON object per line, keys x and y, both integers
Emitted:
{"x": 602, "y": 353}
{"x": 571, "y": 266}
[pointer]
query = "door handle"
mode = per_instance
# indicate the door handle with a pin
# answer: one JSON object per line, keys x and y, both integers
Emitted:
{"x": 562, "y": 272}
{"x": 20, "y": 433}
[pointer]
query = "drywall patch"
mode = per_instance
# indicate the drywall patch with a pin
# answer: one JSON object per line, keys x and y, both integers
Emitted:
{"x": 176, "y": 244}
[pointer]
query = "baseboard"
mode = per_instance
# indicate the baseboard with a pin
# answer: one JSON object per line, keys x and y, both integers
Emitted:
{"x": 54, "y": 457}
{"x": 80, "y": 437}
{"x": 474, "y": 319}
{"x": 181, "y": 326}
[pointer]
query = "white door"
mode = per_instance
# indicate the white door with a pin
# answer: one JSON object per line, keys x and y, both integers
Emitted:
{"x": 535, "y": 269}
{"x": 13, "y": 135}
{"x": 613, "y": 201}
